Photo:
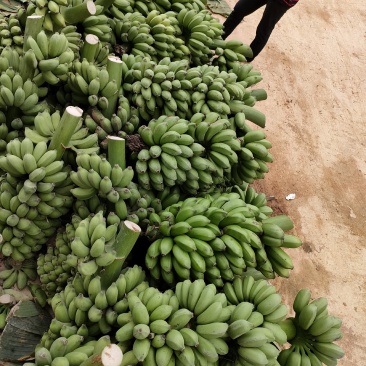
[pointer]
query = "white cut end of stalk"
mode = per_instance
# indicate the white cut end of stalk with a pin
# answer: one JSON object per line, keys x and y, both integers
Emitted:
{"x": 132, "y": 226}
{"x": 115, "y": 138}
{"x": 92, "y": 9}
{"x": 114, "y": 59}
{"x": 112, "y": 355}
{"x": 34, "y": 16}
{"x": 91, "y": 39}
{"x": 1, "y": 239}
{"x": 74, "y": 111}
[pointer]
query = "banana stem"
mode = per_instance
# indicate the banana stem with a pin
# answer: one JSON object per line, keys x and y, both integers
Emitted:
{"x": 114, "y": 68}
{"x": 33, "y": 26}
{"x": 125, "y": 241}
{"x": 77, "y": 14}
{"x": 117, "y": 151}
{"x": 110, "y": 356}
{"x": 89, "y": 48}
{"x": 65, "y": 130}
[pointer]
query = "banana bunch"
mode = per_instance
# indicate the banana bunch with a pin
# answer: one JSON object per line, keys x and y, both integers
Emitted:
{"x": 264, "y": 298}
{"x": 4, "y": 311}
{"x": 146, "y": 7}
{"x": 99, "y": 56}
{"x": 11, "y": 33}
{"x": 5, "y": 134}
{"x": 178, "y": 5}
{"x": 18, "y": 274}
{"x": 257, "y": 202}
{"x": 55, "y": 267}
{"x": 230, "y": 53}
{"x": 121, "y": 7}
{"x": 50, "y": 10}
{"x": 99, "y": 25}
{"x": 119, "y": 124}
{"x": 162, "y": 328}
{"x": 312, "y": 342}
{"x": 35, "y": 193}
{"x": 23, "y": 96}
{"x": 73, "y": 38}
{"x": 90, "y": 84}
{"x": 253, "y": 155}
{"x": 151, "y": 37}
{"x": 91, "y": 309}
{"x": 221, "y": 144}
{"x": 158, "y": 88}
{"x": 166, "y": 160}
{"x": 96, "y": 177}
{"x": 45, "y": 125}
{"x": 199, "y": 33}
{"x": 71, "y": 349}
{"x": 53, "y": 56}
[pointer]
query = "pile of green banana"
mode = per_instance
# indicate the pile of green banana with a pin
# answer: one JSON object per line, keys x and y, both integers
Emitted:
{"x": 35, "y": 193}
{"x": 18, "y": 273}
{"x": 312, "y": 333}
{"x": 4, "y": 311}
{"x": 216, "y": 238}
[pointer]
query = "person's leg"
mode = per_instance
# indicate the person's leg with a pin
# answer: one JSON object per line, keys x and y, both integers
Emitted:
{"x": 241, "y": 9}
{"x": 272, "y": 14}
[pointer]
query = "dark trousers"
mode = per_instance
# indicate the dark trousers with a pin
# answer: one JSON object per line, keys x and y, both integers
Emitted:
{"x": 272, "y": 14}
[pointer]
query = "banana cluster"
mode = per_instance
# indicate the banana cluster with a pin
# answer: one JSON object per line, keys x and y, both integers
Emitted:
{"x": 4, "y": 311}
{"x": 50, "y": 10}
{"x": 166, "y": 159}
{"x": 90, "y": 84}
{"x": 122, "y": 123}
{"x": 91, "y": 309}
{"x": 72, "y": 348}
{"x": 20, "y": 95}
{"x": 11, "y": 33}
{"x": 216, "y": 238}
{"x": 221, "y": 145}
{"x": 254, "y": 155}
{"x": 55, "y": 267}
{"x": 99, "y": 26}
{"x": 230, "y": 53}
{"x": 45, "y": 125}
{"x": 96, "y": 177}
{"x": 313, "y": 333}
{"x": 5, "y": 134}
{"x": 73, "y": 38}
{"x": 178, "y": 5}
{"x": 199, "y": 30}
{"x": 35, "y": 193}
{"x": 152, "y": 36}
{"x": 158, "y": 88}
{"x": 53, "y": 56}
{"x": 18, "y": 274}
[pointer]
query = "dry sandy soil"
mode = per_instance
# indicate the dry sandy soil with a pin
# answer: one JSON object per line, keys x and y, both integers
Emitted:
{"x": 314, "y": 71}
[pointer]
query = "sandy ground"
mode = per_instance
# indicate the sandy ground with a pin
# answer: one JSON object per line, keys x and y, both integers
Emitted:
{"x": 314, "y": 71}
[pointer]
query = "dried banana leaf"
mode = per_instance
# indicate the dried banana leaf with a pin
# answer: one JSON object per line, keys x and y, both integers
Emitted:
{"x": 25, "y": 326}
